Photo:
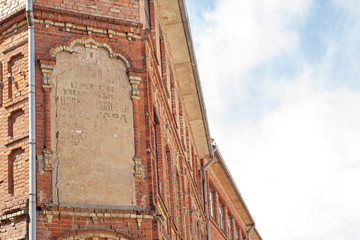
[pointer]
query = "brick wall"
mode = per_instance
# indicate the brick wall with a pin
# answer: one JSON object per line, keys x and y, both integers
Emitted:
{"x": 167, "y": 171}
{"x": 10, "y": 7}
{"x": 166, "y": 161}
{"x": 161, "y": 162}
{"x": 124, "y": 38}
{"x": 53, "y": 225}
{"x": 14, "y": 228}
{"x": 125, "y": 9}
{"x": 13, "y": 127}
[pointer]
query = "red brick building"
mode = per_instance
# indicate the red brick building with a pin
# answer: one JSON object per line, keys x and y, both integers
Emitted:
{"x": 119, "y": 141}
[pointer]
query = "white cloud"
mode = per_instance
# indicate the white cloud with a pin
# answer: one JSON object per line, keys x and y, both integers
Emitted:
{"x": 244, "y": 33}
{"x": 341, "y": 61}
{"x": 297, "y": 164}
{"x": 239, "y": 35}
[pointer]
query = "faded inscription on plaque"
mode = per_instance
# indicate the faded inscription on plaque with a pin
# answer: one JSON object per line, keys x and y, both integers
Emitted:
{"x": 92, "y": 129}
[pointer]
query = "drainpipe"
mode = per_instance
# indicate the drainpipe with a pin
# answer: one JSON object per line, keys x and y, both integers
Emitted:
{"x": 248, "y": 231}
{"x": 32, "y": 140}
{"x": 205, "y": 190}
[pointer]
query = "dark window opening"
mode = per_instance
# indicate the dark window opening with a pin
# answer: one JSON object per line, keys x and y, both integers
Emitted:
{"x": 221, "y": 216}
{"x": 212, "y": 203}
{"x": 147, "y": 14}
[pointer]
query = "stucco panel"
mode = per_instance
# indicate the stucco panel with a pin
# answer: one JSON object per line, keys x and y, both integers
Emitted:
{"x": 92, "y": 129}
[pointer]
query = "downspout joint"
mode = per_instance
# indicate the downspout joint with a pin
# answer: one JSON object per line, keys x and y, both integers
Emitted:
{"x": 30, "y": 18}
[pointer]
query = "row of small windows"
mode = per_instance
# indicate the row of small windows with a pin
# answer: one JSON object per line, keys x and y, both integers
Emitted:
{"x": 171, "y": 91}
{"x": 232, "y": 235}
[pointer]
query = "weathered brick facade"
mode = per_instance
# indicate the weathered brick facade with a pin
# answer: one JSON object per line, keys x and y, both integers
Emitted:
{"x": 121, "y": 129}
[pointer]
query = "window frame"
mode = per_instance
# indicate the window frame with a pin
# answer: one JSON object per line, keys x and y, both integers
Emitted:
{"x": 147, "y": 14}
{"x": 237, "y": 233}
{"x": 230, "y": 227}
{"x": 222, "y": 216}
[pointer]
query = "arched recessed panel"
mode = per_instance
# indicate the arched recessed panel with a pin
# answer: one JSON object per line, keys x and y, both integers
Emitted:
{"x": 92, "y": 128}
{"x": 15, "y": 172}
{"x": 16, "y": 121}
{"x": 15, "y": 76}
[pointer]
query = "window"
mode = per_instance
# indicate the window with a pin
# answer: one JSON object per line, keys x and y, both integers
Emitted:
{"x": 230, "y": 227}
{"x": 221, "y": 216}
{"x": 147, "y": 13}
{"x": 237, "y": 235}
{"x": 156, "y": 125}
{"x": 212, "y": 202}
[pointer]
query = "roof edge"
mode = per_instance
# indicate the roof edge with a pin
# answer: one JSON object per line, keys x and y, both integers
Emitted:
{"x": 186, "y": 25}
{"x": 224, "y": 166}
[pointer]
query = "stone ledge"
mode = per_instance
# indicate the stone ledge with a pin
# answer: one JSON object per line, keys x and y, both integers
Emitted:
{"x": 99, "y": 215}
{"x": 12, "y": 216}
{"x": 94, "y": 216}
{"x": 15, "y": 46}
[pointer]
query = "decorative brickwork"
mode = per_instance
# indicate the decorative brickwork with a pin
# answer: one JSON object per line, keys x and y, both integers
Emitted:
{"x": 13, "y": 122}
{"x": 10, "y": 7}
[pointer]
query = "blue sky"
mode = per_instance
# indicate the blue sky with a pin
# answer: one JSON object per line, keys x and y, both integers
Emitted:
{"x": 282, "y": 92}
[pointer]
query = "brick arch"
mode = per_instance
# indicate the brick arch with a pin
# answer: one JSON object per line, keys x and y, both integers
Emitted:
{"x": 95, "y": 235}
{"x": 47, "y": 63}
{"x": 69, "y": 47}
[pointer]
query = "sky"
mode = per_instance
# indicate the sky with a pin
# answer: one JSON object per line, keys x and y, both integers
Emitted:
{"x": 281, "y": 81}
